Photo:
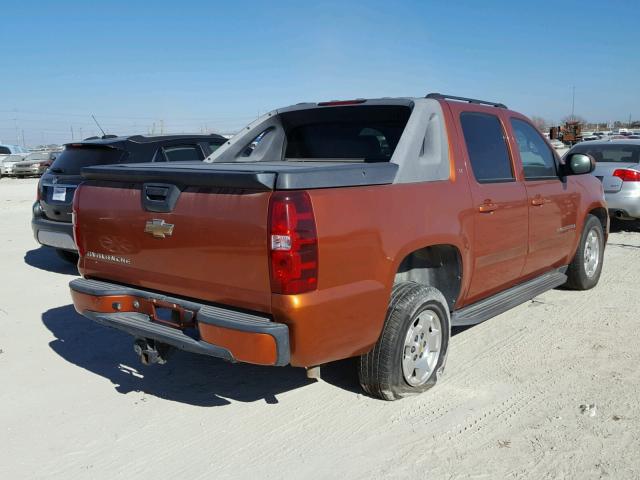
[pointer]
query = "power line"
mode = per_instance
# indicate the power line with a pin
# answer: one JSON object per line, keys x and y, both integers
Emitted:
{"x": 87, "y": 115}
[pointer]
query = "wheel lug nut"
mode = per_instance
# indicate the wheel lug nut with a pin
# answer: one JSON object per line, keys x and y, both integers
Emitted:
{"x": 416, "y": 338}
{"x": 413, "y": 349}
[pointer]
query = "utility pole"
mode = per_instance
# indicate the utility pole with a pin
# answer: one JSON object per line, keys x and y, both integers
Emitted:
{"x": 72, "y": 139}
{"x": 161, "y": 127}
{"x": 23, "y": 142}
{"x": 573, "y": 102}
{"x": 15, "y": 124}
{"x": 81, "y": 136}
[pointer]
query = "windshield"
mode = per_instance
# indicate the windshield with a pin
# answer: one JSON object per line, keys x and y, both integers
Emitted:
{"x": 13, "y": 158}
{"x": 73, "y": 159}
{"x": 37, "y": 156}
{"x": 616, "y": 153}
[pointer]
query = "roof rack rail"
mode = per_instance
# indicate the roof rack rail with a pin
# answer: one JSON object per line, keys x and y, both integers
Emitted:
{"x": 440, "y": 96}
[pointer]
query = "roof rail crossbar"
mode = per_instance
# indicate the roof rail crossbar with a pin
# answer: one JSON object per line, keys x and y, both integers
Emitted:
{"x": 440, "y": 96}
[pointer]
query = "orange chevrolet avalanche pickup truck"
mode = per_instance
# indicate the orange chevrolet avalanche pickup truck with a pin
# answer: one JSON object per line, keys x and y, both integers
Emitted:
{"x": 364, "y": 228}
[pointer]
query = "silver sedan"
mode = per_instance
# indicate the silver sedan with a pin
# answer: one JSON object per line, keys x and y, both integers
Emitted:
{"x": 9, "y": 162}
{"x": 618, "y": 167}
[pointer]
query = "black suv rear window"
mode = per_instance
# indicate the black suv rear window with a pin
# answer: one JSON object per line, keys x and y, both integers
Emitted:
{"x": 73, "y": 159}
{"x": 355, "y": 133}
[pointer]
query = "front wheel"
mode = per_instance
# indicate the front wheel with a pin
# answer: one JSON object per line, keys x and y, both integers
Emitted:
{"x": 585, "y": 268}
{"x": 412, "y": 349}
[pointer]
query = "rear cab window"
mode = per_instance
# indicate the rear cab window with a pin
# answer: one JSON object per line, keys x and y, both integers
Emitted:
{"x": 350, "y": 134}
{"x": 486, "y": 147}
{"x": 213, "y": 146}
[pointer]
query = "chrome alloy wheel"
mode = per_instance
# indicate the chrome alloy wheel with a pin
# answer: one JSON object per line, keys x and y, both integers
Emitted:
{"x": 591, "y": 253}
{"x": 421, "y": 348}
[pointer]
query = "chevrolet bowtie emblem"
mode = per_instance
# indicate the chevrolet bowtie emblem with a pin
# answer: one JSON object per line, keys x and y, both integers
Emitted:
{"x": 158, "y": 228}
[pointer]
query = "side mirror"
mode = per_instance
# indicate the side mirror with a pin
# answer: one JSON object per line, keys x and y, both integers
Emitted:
{"x": 579, "y": 164}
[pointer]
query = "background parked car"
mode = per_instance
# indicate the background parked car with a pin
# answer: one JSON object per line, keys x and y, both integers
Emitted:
{"x": 51, "y": 222}
{"x": 6, "y": 150}
{"x": 618, "y": 167}
{"x": 9, "y": 162}
{"x": 34, "y": 164}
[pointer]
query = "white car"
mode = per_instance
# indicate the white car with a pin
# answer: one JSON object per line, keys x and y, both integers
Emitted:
{"x": 9, "y": 161}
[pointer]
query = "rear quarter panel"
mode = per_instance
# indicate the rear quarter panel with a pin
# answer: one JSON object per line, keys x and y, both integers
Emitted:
{"x": 364, "y": 233}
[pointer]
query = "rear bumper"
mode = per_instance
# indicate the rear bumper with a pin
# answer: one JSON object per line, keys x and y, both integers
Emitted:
{"x": 197, "y": 328}
{"x": 50, "y": 233}
{"x": 626, "y": 201}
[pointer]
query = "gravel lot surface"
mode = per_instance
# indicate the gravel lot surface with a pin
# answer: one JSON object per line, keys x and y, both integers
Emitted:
{"x": 547, "y": 390}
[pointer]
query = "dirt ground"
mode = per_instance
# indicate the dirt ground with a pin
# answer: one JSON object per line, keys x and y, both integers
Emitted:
{"x": 547, "y": 390}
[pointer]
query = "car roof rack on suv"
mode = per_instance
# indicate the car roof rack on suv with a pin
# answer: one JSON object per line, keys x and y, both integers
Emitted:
{"x": 440, "y": 96}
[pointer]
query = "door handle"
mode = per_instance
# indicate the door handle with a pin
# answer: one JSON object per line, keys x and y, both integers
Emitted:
{"x": 488, "y": 207}
{"x": 537, "y": 201}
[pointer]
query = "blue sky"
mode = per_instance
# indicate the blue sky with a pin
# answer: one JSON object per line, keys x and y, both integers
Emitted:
{"x": 195, "y": 65}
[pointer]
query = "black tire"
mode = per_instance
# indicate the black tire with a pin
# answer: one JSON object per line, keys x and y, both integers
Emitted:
{"x": 380, "y": 370}
{"x": 578, "y": 278}
{"x": 67, "y": 256}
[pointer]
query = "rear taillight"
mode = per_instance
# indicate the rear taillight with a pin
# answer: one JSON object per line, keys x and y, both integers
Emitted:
{"x": 75, "y": 220}
{"x": 627, "y": 175}
{"x": 293, "y": 243}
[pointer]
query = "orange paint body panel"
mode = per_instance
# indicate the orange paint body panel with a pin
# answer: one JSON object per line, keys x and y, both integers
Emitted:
{"x": 257, "y": 348}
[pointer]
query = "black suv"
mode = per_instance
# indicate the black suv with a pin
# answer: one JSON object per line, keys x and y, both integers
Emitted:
{"x": 52, "y": 211}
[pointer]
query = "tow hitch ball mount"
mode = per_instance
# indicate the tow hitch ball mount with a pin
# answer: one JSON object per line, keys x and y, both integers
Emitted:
{"x": 150, "y": 351}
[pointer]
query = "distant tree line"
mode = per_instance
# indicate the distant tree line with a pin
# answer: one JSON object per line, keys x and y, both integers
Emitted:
{"x": 543, "y": 125}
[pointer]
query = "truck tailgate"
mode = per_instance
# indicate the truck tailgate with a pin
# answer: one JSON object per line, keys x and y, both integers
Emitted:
{"x": 211, "y": 245}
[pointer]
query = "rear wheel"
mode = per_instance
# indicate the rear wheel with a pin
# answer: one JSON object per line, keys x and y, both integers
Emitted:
{"x": 67, "y": 256}
{"x": 412, "y": 349}
{"x": 585, "y": 268}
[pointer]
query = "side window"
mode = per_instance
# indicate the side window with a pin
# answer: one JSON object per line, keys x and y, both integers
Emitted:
{"x": 183, "y": 153}
{"x": 537, "y": 159}
{"x": 486, "y": 147}
{"x": 5, "y": 151}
